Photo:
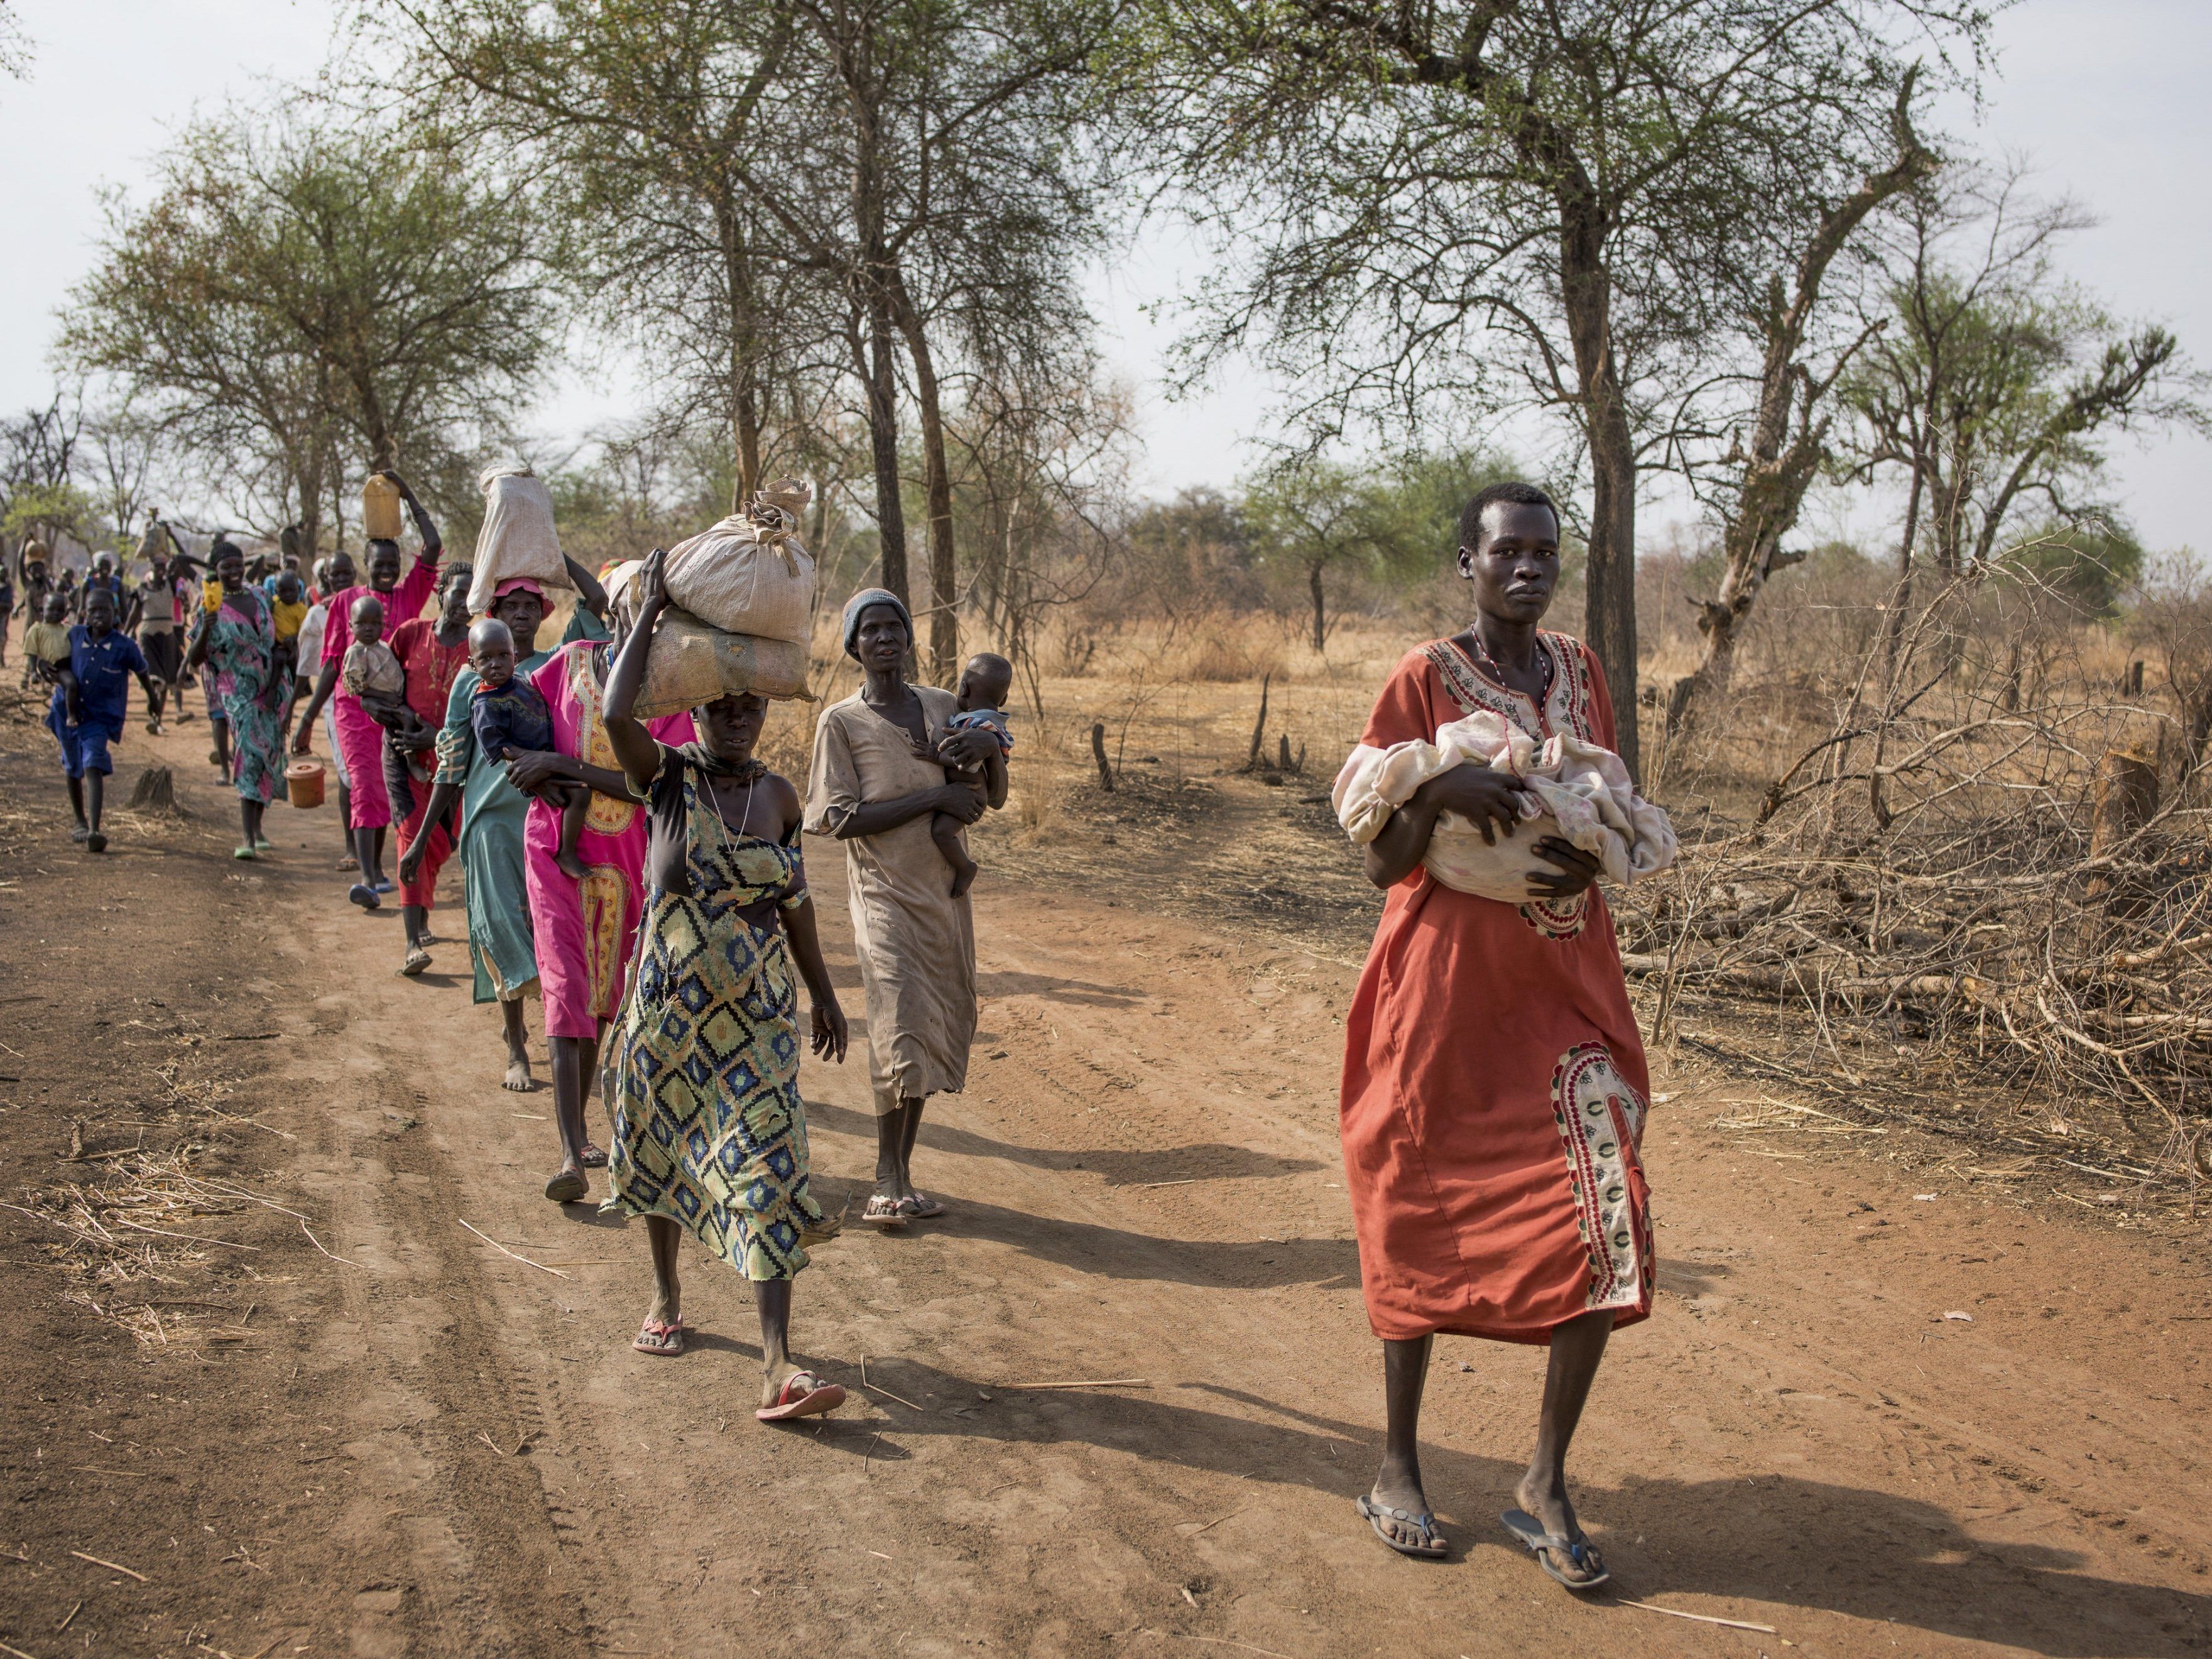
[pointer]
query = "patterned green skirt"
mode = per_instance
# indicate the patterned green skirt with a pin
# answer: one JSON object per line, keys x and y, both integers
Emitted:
{"x": 710, "y": 1128}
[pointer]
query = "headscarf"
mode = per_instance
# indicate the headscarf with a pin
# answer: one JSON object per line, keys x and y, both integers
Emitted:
{"x": 860, "y": 602}
{"x": 518, "y": 585}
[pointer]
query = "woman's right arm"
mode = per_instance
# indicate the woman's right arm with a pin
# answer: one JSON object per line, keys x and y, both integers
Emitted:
{"x": 638, "y": 749}
{"x": 874, "y": 817}
{"x": 1475, "y": 793}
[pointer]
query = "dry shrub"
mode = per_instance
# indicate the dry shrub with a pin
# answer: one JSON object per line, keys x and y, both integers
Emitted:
{"x": 1228, "y": 650}
{"x": 1988, "y": 866}
{"x": 786, "y": 741}
{"x": 1033, "y": 796}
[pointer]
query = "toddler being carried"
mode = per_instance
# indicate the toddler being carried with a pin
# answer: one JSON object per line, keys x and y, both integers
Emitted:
{"x": 510, "y": 717}
{"x": 983, "y": 687}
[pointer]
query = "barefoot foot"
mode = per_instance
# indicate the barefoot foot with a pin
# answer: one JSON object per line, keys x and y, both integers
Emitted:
{"x": 572, "y": 866}
{"x": 517, "y": 1077}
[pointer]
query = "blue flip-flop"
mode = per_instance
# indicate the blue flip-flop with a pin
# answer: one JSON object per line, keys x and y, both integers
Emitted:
{"x": 1435, "y": 1550}
{"x": 1530, "y": 1531}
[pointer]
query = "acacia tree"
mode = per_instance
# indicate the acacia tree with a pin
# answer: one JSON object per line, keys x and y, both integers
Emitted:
{"x": 757, "y": 182}
{"x": 1481, "y": 203}
{"x": 1993, "y": 378}
{"x": 297, "y": 289}
{"x": 958, "y": 228}
{"x": 646, "y": 120}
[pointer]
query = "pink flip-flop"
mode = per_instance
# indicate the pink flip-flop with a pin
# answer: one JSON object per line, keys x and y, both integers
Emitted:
{"x": 659, "y": 1338}
{"x": 810, "y": 1400}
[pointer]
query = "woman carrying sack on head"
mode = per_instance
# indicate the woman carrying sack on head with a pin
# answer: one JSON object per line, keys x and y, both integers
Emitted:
{"x": 710, "y": 1132}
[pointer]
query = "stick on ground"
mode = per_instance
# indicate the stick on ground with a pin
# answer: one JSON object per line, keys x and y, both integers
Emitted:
{"x": 1702, "y": 1618}
{"x": 503, "y": 1250}
{"x": 116, "y": 1565}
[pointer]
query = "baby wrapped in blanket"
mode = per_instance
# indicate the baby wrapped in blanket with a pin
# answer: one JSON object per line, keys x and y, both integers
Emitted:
{"x": 1570, "y": 789}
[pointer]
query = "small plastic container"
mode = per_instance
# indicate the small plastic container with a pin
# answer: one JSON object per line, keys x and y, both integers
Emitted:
{"x": 303, "y": 782}
{"x": 381, "y": 509}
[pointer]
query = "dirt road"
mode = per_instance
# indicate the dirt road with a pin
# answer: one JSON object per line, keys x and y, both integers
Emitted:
{"x": 360, "y": 1429}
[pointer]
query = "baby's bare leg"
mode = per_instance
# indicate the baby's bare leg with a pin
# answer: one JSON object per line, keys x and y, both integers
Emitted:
{"x": 944, "y": 831}
{"x": 574, "y": 801}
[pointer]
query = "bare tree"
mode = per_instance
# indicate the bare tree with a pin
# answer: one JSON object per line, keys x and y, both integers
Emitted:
{"x": 1993, "y": 376}
{"x": 1765, "y": 480}
{"x": 646, "y": 120}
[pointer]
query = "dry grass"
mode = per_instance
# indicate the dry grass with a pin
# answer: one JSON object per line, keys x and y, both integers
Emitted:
{"x": 138, "y": 1226}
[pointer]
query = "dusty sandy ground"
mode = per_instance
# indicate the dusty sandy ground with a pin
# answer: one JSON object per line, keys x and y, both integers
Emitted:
{"x": 417, "y": 1444}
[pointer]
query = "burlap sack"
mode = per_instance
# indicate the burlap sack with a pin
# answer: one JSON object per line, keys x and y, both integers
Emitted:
{"x": 749, "y": 574}
{"x": 518, "y": 540}
{"x": 691, "y": 664}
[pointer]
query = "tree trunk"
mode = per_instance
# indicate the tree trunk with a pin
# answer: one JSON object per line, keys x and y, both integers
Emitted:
{"x": 748, "y": 425}
{"x": 944, "y": 565}
{"x": 745, "y": 398}
{"x": 882, "y": 446}
{"x": 1609, "y": 581}
{"x": 2126, "y": 800}
{"x": 870, "y": 294}
{"x": 2198, "y": 704}
{"x": 1901, "y": 600}
{"x": 1609, "y": 584}
{"x": 1321, "y": 606}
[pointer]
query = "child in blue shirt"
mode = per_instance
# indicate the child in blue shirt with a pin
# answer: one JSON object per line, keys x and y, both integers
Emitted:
{"x": 983, "y": 687}
{"x": 508, "y": 716}
{"x": 88, "y": 707}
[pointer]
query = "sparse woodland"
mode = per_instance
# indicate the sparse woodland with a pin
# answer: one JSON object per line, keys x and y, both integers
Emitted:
{"x": 1942, "y": 778}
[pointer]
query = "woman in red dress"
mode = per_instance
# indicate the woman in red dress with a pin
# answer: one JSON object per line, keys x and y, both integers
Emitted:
{"x": 1494, "y": 1082}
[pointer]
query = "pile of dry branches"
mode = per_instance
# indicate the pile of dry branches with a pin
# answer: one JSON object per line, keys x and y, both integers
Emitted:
{"x": 1996, "y": 865}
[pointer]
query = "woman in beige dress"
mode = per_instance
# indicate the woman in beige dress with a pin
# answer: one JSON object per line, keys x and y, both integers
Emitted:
{"x": 878, "y": 775}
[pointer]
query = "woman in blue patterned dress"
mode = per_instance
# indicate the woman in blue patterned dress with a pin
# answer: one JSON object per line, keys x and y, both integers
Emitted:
{"x": 236, "y": 643}
{"x": 710, "y": 1130}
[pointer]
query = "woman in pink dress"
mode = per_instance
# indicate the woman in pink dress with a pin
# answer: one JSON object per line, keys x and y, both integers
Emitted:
{"x": 584, "y": 930}
{"x": 359, "y": 739}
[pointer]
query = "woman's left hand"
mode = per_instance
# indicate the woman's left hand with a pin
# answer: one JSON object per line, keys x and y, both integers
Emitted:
{"x": 533, "y": 768}
{"x": 829, "y": 1031}
{"x": 650, "y": 591}
{"x": 1578, "y": 869}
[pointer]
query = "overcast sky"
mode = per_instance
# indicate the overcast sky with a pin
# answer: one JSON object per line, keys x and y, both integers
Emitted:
{"x": 2107, "y": 96}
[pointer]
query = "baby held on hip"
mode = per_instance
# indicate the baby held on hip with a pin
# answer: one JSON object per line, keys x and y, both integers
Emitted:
{"x": 984, "y": 685}
{"x": 509, "y": 718}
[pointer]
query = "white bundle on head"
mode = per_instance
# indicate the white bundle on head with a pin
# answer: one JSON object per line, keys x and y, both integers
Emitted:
{"x": 518, "y": 540}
